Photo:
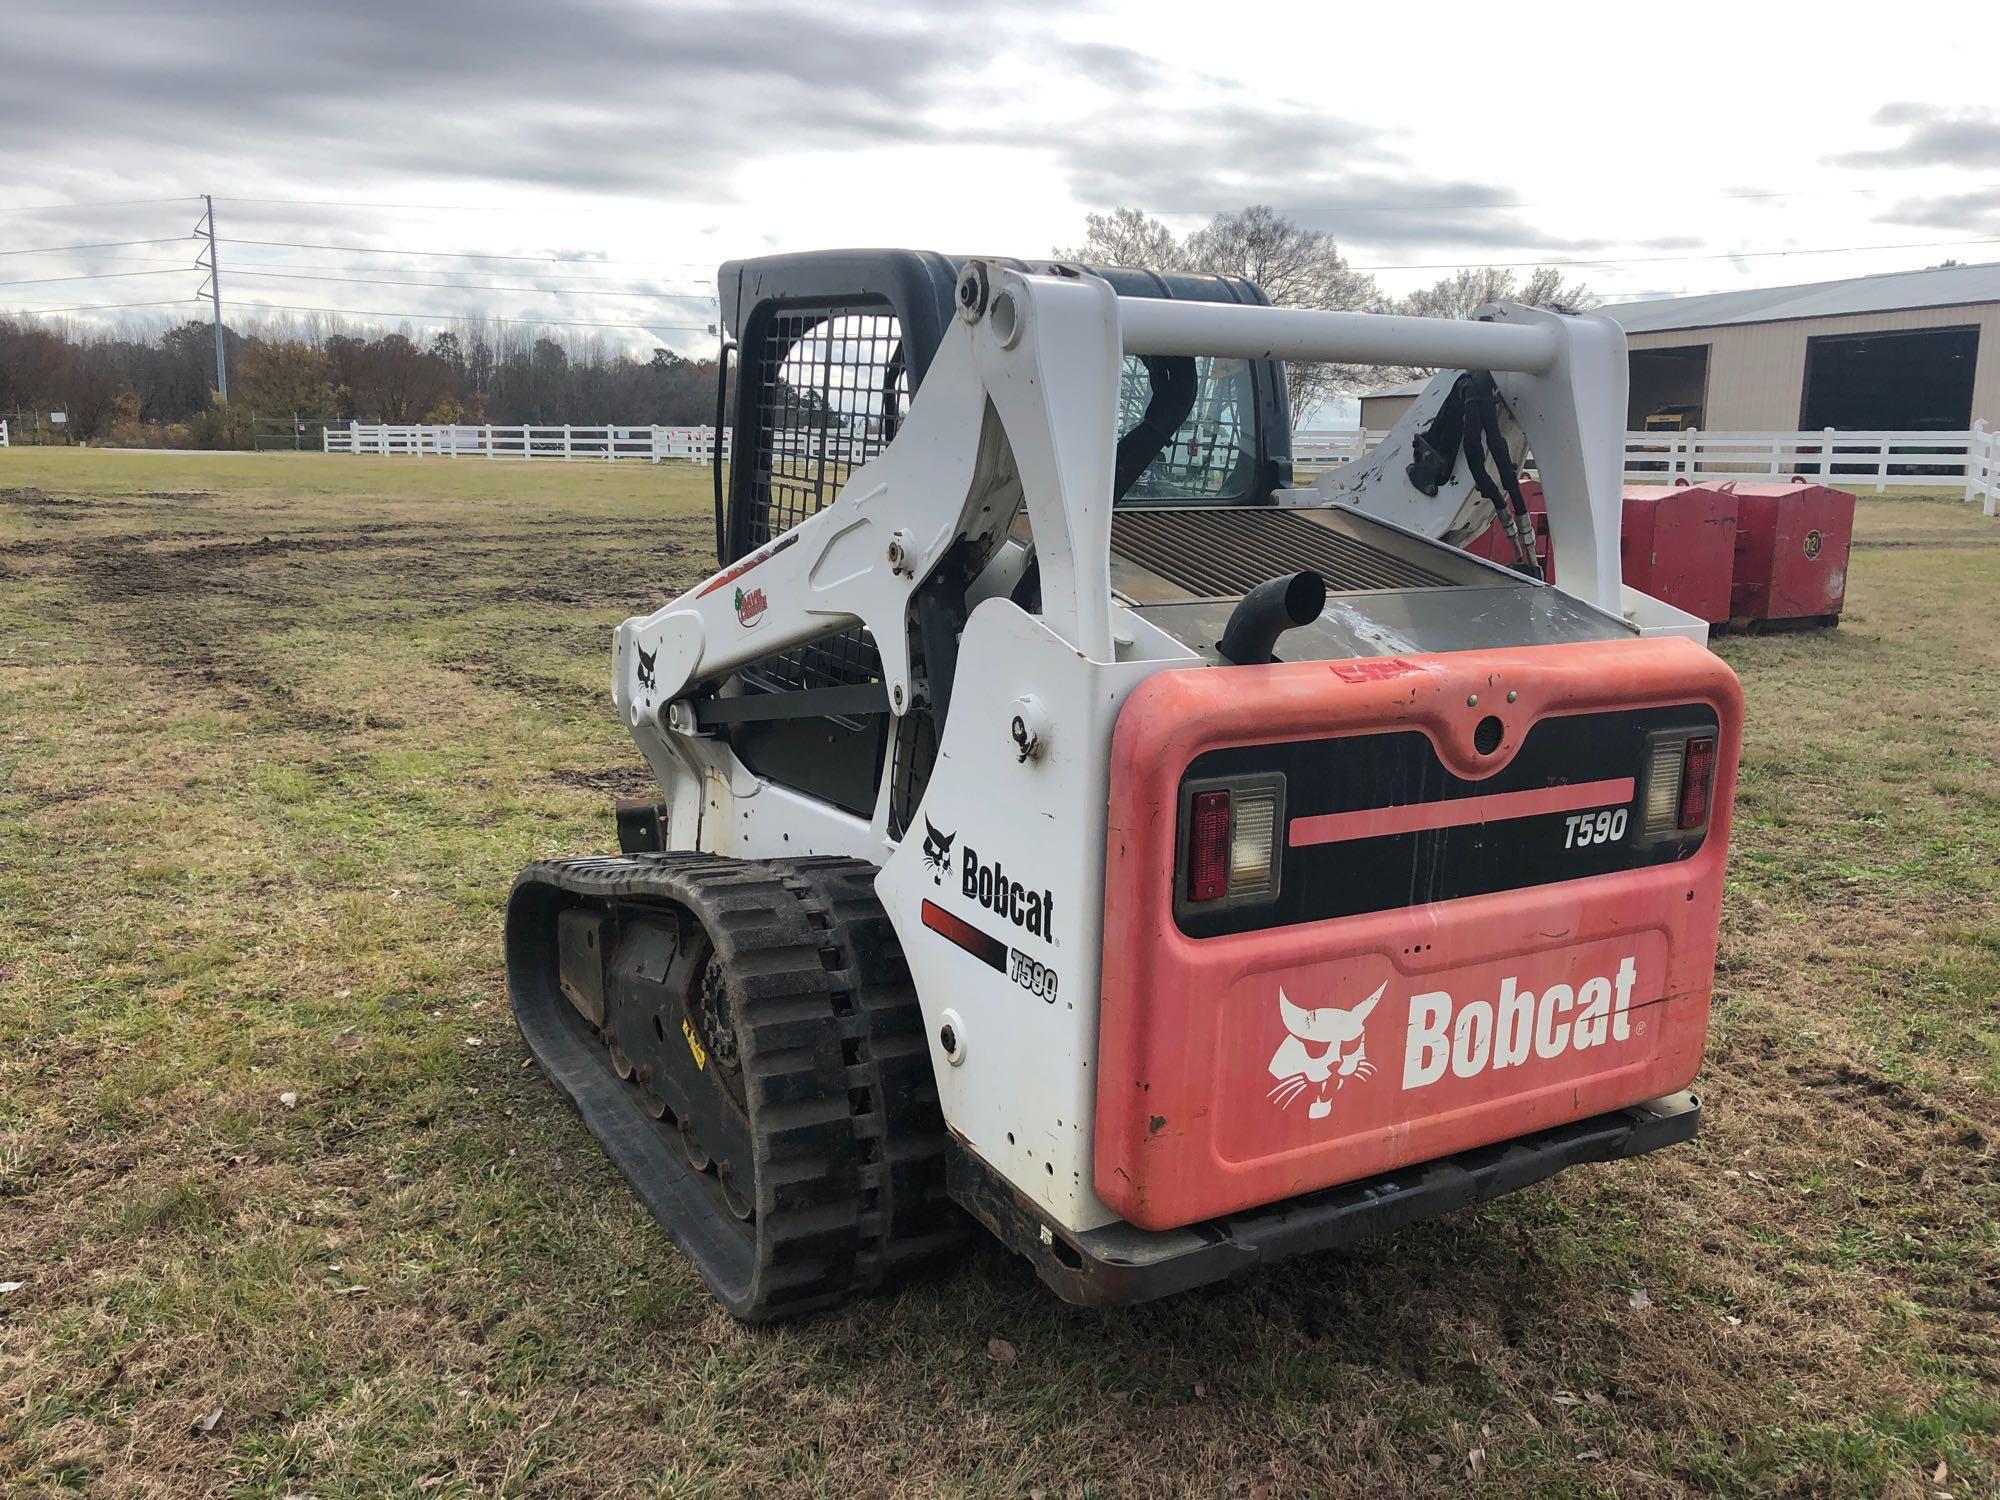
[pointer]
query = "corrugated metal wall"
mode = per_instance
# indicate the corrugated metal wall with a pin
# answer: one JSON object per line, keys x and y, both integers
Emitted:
{"x": 1756, "y": 371}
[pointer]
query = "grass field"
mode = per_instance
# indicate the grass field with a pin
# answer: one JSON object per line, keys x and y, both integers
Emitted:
{"x": 291, "y": 1217}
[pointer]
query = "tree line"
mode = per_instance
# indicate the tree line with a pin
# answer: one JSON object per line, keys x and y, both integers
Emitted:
{"x": 1300, "y": 267}
{"x": 126, "y": 388}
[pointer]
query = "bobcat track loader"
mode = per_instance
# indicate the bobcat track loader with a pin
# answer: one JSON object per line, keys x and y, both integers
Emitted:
{"x": 1068, "y": 824}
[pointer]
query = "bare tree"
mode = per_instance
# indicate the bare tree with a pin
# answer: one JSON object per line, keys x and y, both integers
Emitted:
{"x": 1296, "y": 267}
{"x": 1546, "y": 288}
{"x": 1464, "y": 292}
{"x": 1127, "y": 237}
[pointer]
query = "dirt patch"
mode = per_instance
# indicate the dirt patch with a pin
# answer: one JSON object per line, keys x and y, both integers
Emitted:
{"x": 620, "y": 781}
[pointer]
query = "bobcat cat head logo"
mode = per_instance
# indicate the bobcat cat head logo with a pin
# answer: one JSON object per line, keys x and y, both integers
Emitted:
{"x": 937, "y": 852}
{"x": 646, "y": 660}
{"x": 1342, "y": 1054}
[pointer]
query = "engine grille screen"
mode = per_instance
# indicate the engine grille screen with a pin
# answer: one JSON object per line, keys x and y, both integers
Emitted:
{"x": 1224, "y": 553}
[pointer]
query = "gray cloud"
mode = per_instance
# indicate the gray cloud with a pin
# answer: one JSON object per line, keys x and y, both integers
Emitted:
{"x": 1975, "y": 212}
{"x": 1933, "y": 136}
{"x": 1176, "y": 150}
{"x": 591, "y": 96}
{"x": 1106, "y": 63}
{"x": 663, "y": 105}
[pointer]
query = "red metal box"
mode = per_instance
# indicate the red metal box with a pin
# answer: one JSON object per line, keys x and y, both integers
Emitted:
{"x": 1679, "y": 545}
{"x": 1791, "y": 553}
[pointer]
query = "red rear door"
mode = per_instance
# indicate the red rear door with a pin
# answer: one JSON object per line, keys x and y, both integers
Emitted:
{"x": 1488, "y": 909}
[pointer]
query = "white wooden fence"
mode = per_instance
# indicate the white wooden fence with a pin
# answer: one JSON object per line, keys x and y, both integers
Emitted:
{"x": 1982, "y": 468}
{"x": 1936, "y": 460}
{"x": 1852, "y": 460}
{"x": 3, "y": 432}
{"x": 1321, "y": 448}
{"x": 610, "y": 443}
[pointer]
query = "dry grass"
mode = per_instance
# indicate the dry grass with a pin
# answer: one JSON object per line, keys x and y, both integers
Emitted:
{"x": 275, "y": 733}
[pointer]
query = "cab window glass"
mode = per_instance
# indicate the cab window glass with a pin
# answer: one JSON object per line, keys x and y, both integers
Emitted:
{"x": 1213, "y": 454}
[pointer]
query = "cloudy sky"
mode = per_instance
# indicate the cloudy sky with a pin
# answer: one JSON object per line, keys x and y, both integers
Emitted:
{"x": 619, "y": 149}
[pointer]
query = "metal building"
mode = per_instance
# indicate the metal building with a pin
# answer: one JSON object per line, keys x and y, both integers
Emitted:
{"x": 1380, "y": 410}
{"x": 1916, "y": 351}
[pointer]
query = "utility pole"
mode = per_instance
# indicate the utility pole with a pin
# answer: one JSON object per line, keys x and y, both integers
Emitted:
{"x": 215, "y": 301}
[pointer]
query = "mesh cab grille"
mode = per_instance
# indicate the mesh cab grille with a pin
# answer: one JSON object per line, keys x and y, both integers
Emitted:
{"x": 1226, "y": 552}
{"x": 831, "y": 387}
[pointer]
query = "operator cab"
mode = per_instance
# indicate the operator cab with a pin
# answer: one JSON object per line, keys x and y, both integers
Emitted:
{"x": 829, "y": 348}
{"x": 825, "y": 352}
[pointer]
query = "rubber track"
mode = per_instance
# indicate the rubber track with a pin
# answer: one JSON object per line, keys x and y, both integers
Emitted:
{"x": 846, "y": 1134}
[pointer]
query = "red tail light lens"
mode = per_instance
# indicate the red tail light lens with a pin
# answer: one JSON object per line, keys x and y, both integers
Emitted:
{"x": 1697, "y": 780}
{"x": 1208, "y": 847}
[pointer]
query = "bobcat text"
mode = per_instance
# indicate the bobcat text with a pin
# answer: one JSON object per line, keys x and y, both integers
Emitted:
{"x": 1468, "y": 1039}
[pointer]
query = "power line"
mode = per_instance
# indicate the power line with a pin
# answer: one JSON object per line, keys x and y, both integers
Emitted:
{"x": 170, "y": 239}
{"x": 361, "y": 312}
{"x": 469, "y": 208}
{"x": 558, "y": 260}
{"x": 54, "y": 208}
{"x": 98, "y": 276}
{"x": 1643, "y": 260}
{"x": 473, "y": 287}
{"x": 568, "y": 281}
{"x": 461, "y": 317}
{"x": 461, "y": 287}
{"x": 152, "y": 260}
{"x": 1596, "y": 200}
{"x": 39, "y": 312}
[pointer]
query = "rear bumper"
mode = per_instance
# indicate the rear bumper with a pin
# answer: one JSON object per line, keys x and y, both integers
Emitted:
{"x": 1122, "y": 1263}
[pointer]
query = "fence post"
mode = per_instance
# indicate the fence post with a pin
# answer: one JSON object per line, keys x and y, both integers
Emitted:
{"x": 1982, "y": 457}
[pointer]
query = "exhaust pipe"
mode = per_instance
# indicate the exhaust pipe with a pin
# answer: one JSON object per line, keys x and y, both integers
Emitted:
{"x": 1267, "y": 612}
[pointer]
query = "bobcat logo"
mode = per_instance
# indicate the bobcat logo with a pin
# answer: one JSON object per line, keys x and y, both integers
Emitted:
{"x": 937, "y": 852}
{"x": 646, "y": 660}
{"x": 1295, "y": 1064}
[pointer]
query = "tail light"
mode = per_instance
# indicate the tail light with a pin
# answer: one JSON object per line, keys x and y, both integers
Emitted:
{"x": 1229, "y": 840}
{"x": 1209, "y": 848}
{"x": 1697, "y": 780}
{"x": 1679, "y": 784}
{"x": 1663, "y": 787}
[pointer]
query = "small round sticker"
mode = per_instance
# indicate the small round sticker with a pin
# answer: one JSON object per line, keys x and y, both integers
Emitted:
{"x": 1814, "y": 541}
